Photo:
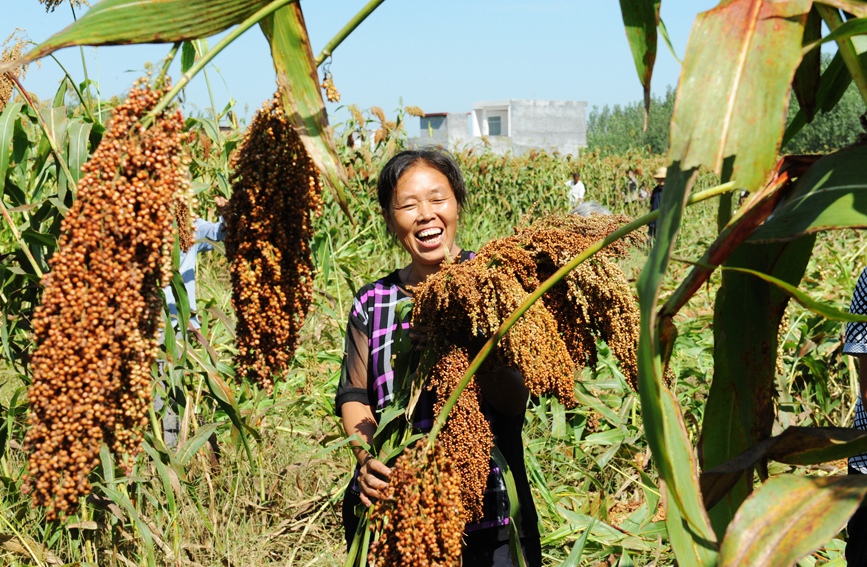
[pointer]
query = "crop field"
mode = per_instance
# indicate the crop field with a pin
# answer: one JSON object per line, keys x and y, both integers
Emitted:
{"x": 712, "y": 428}
{"x": 590, "y": 466}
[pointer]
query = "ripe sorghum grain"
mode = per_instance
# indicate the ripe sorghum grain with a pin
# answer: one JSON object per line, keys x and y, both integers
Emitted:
{"x": 96, "y": 330}
{"x": 331, "y": 92}
{"x": 276, "y": 188}
{"x": 466, "y": 438}
{"x": 464, "y": 304}
{"x": 420, "y": 519}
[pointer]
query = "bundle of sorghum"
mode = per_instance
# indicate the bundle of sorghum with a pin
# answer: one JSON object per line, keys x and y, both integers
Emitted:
{"x": 420, "y": 519}
{"x": 467, "y": 439}
{"x": 276, "y": 187}
{"x": 96, "y": 330}
{"x": 464, "y": 304}
{"x": 12, "y": 47}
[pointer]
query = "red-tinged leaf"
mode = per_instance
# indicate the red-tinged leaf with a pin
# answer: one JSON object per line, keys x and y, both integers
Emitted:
{"x": 794, "y": 446}
{"x": 806, "y": 82}
{"x": 301, "y": 96}
{"x": 115, "y": 22}
{"x": 789, "y": 517}
{"x": 832, "y": 194}
{"x": 734, "y": 89}
{"x": 641, "y": 17}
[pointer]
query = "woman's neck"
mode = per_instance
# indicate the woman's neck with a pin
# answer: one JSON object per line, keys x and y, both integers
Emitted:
{"x": 414, "y": 274}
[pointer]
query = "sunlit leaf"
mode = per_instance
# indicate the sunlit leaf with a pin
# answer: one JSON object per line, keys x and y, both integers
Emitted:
{"x": 114, "y": 22}
{"x": 300, "y": 95}
{"x": 788, "y": 517}
{"x": 731, "y": 105}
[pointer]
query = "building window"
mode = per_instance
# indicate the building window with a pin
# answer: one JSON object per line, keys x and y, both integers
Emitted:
{"x": 495, "y": 127}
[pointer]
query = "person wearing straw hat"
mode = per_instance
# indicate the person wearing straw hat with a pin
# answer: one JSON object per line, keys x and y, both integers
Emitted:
{"x": 655, "y": 200}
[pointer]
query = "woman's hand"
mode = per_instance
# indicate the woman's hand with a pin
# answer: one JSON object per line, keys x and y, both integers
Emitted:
{"x": 373, "y": 477}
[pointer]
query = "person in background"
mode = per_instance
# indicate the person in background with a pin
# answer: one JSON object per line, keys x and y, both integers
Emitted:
{"x": 655, "y": 200}
{"x": 631, "y": 186}
{"x": 855, "y": 344}
{"x": 205, "y": 233}
{"x": 576, "y": 189}
{"x": 421, "y": 194}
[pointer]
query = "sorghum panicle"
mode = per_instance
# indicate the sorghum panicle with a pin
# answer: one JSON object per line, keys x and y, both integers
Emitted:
{"x": 276, "y": 188}
{"x": 96, "y": 329}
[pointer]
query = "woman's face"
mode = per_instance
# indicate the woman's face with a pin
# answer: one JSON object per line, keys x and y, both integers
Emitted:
{"x": 424, "y": 217}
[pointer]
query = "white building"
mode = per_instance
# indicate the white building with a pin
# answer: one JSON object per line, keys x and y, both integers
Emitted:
{"x": 514, "y": 125}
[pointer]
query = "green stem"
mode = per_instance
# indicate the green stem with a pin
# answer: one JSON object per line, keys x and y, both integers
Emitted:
{"x": 51, "y": 141}
{"x": 89, "y": 100}
{"x": 543, "y": 288}
{"x": 167, "y": 62}
{"x": 847, "y": 49}
{"x": 222, "y": 44}
{"x": 75, "y": 88}
{"x": 17, "y": 236}
{"x": 346, "y": 30}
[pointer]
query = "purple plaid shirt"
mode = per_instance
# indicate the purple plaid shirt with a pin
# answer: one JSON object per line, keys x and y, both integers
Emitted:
{"x": 374, "y": 316}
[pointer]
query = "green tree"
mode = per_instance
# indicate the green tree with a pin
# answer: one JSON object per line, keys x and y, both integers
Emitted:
{"x": 618, "y": 129}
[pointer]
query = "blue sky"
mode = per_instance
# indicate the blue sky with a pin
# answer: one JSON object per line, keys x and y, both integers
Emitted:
{"x": 441, "y": 56}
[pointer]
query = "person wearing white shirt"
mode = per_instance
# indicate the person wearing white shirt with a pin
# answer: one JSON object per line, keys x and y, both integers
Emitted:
{"x": 576, "y": 189}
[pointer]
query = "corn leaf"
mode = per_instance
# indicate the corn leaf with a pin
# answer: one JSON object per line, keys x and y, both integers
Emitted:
{"x": 794, "y": 446}
{"x": 788, "y": 517}
{"x": 731, "y": 105}
{"x": 640, "y": 17}
{"x": 832, "y": 194}
{"x": 115, "y": 22}
{"x": 300, "y": 95}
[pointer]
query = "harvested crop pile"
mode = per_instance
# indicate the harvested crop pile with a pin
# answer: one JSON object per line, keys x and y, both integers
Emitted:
{"x": 420, "y": 517}
{"x": 464, "y": 304}
{"x": 276, "y": 188}
{"x": 96, "y": 330}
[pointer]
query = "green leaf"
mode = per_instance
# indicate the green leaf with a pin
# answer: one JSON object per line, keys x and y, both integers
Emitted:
{"x": 806, "y": 82}
{"x": 817, "y": 307}
{"x": 731, "y": 105}
{"x": 795, "y": 446}
{"x": 188, "y": 56}
{"x": 831, "y": 195}
{"x": 7, "y": 125}
{"x": 747, "y": 317}
{"x": 832, "y": 86}
{"x": 79, "y": 135}
{"x": 692, "y": 537}
{"x": 300, "y": 95}
{"x": 851, "y": 28}
{"x": 640, "y": 17}
{"x": 116, "y": 22}
{"x": 789, "y": 517}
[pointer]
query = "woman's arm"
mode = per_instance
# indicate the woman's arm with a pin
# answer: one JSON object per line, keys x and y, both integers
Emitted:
{"x": 373, "y": 475}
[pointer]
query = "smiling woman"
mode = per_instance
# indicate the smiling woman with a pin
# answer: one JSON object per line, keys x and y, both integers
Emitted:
{"x": 421, "y": 193}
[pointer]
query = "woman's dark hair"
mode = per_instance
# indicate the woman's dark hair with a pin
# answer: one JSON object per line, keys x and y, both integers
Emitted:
{"x": 439, "y": 159}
